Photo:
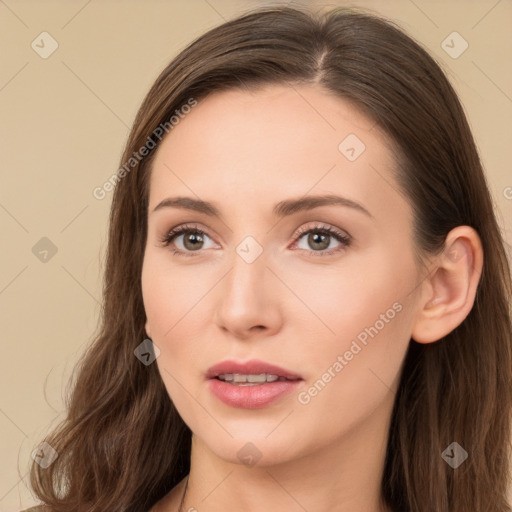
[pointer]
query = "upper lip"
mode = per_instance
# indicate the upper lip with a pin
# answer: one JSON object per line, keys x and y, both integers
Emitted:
{"x": 253, "y": 367}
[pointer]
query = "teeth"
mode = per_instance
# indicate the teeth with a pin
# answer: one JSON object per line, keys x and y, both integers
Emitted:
{"x": 237, "y": 378}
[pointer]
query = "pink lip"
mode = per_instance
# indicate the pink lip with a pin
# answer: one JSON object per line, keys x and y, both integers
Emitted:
{"x": 253, "y": 367}
{"x": 251, "y": 397}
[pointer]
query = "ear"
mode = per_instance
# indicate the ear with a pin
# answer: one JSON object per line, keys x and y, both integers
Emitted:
{"x": 449, "y": 290}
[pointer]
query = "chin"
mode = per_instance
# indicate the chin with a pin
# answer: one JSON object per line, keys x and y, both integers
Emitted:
{"x": 255, "y": 449}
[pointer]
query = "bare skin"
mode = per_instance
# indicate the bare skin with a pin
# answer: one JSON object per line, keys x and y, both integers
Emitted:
{"x": 317, "y": 450}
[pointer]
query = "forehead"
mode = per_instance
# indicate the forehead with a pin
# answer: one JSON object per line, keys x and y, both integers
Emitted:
{"x": 273, "y": 142}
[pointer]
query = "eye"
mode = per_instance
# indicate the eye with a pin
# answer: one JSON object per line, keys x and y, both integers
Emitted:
{"x": 193, "y": 240}
{"x": 320, "y": 238}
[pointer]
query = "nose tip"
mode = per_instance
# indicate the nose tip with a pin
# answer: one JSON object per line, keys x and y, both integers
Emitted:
{"x": 246, "y": 301}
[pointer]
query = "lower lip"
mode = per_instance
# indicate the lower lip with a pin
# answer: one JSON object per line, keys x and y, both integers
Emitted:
{"x": 251, "y": 397}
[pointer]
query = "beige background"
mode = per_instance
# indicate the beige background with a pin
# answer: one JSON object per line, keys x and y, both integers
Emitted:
{"x": 64, "y": 121}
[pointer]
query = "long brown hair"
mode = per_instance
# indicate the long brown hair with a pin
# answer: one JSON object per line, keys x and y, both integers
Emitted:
{"x": 123, "y": 445}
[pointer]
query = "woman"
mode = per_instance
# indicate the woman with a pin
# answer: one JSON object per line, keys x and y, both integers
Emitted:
{"x": 307, "y": 296}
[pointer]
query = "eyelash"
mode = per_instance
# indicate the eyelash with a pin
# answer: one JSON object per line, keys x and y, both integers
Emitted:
{"x": 344, "y": 240}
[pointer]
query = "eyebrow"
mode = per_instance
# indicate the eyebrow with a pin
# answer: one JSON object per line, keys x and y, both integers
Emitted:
{"x": 282, "y": 209}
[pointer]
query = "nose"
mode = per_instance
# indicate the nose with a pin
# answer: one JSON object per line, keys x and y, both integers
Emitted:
{"x": 248, "y": 299}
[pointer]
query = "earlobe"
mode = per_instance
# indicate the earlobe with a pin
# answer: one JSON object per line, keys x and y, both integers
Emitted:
{"x": 449, "y": 291}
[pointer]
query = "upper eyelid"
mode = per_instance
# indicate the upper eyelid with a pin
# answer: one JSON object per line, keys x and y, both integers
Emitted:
{"x": 319, "y": 226}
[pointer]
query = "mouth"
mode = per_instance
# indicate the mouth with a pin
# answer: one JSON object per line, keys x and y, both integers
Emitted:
{"x": 250, "y": 372}
{"x": 238, "y": 379}
{"x": 251, "y": 385}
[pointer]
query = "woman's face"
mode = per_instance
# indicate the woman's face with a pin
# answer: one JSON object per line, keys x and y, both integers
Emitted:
{"x": 265, "y": 282}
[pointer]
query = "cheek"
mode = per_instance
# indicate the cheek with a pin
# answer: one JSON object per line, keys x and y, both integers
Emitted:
{"x": 168, "y": 292}
{"x": 174, "y": 302}
{"x": 358, "y": 335}
{"x": 169, "y": 300}
{"x": 338, "y": 303}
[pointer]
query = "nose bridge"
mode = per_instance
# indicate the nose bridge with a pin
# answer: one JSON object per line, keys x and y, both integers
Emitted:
{"x": 247, "y": 278}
